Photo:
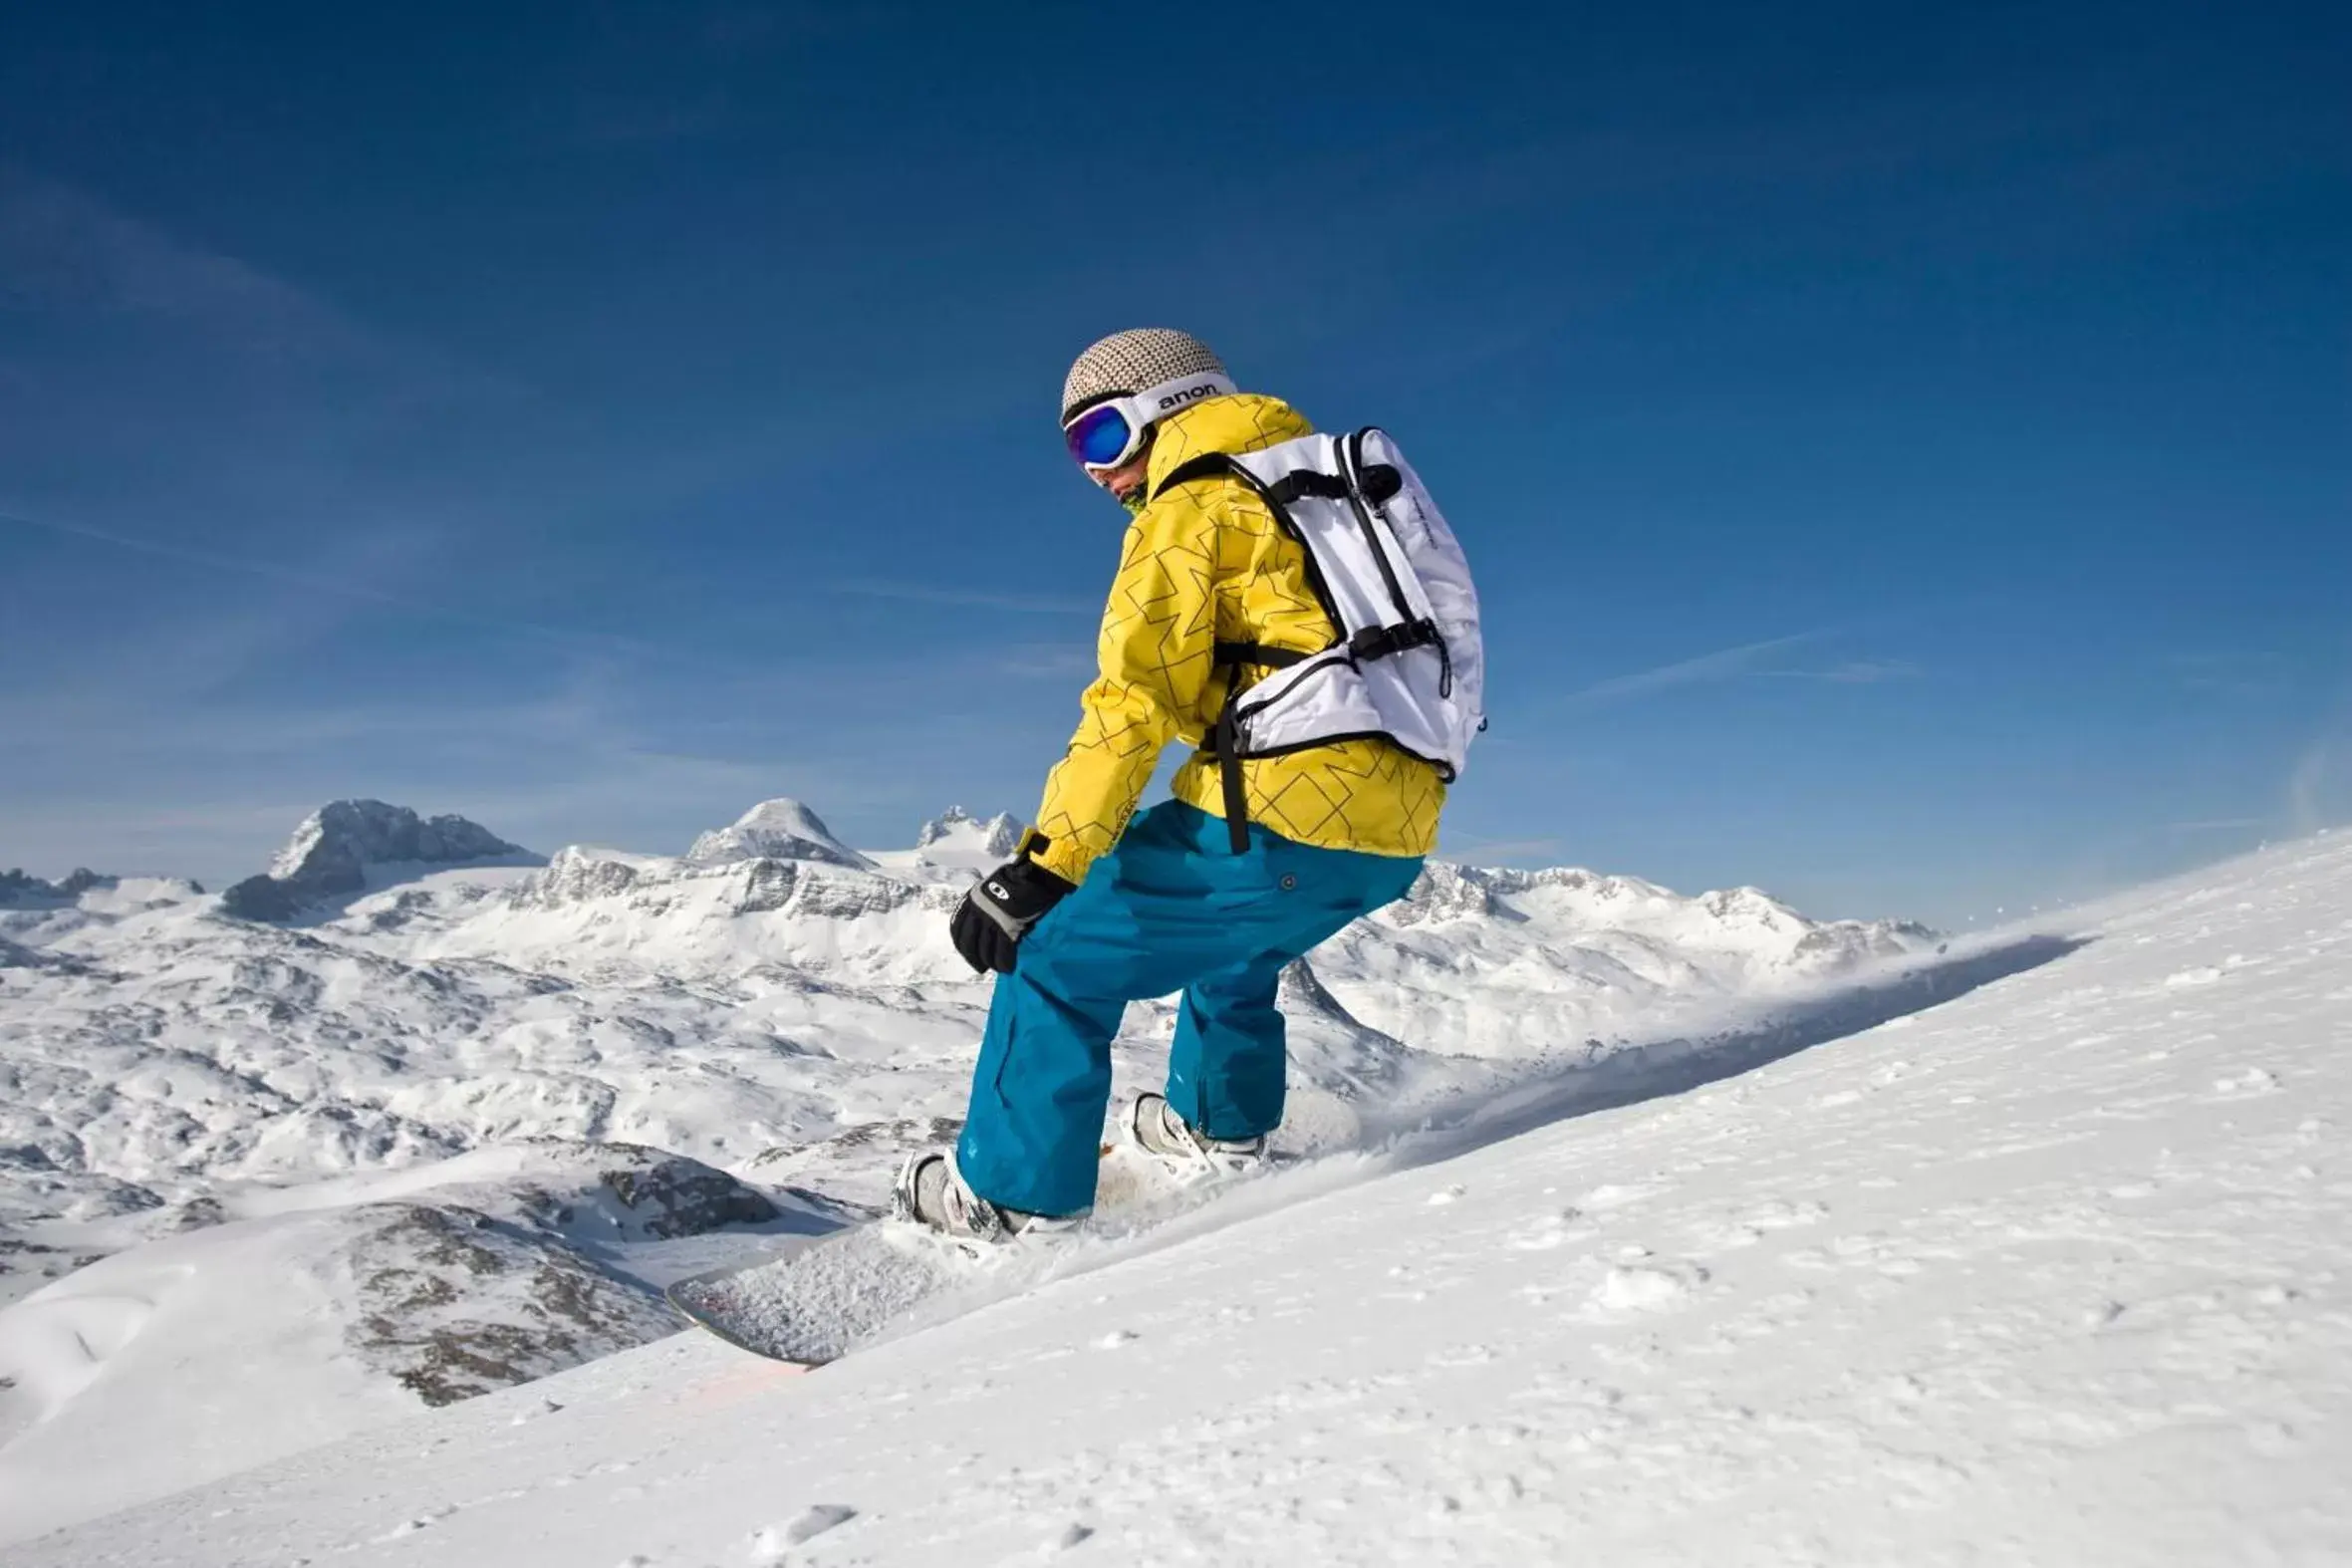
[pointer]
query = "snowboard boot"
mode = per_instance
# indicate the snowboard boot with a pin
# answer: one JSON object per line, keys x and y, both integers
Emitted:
{"x": 1157, "y": 1128}
{"x": 931, "y": 1192}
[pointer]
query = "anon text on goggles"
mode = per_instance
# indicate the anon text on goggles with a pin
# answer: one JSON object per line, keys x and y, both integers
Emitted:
{"x": 1110, "y": 433}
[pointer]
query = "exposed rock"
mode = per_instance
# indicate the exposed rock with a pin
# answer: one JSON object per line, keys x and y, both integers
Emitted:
{"x": 457, "y": 1305}
{"x": 330, "y": 852}
{"x": 1299, "y": 992}
{"x": 262, "y": 898}
{"x": 831, "y": 896}
{"x": 486, "y": 1287}
{"x": 197, "y": 1213}
{"x": 647, "y": 1194}
{"x": 341, "y": 838}
{"x": 574, "y": 875}
{"x": 798, "y": 887}
{"x": 998, "y": 837}
{"x": 20, "y": 891}
{"x": 1443, "y": 892}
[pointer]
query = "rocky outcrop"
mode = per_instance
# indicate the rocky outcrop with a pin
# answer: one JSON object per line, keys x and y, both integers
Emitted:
{"x": 487, "y": 1286}
{"x": 798, "y": 887}
{"x": 1442, "y": 891}
{"x": 956, "y": 829}
{"x": 454, "y": 1305}
{"x": 574, "y": 875}
{"x": 644, "y": 1195}
{"x": 19, "y": 891}
{"x": 330, "y": 853}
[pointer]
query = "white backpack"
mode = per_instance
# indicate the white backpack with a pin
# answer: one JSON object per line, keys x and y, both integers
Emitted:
{"x": 1408, "y": 666}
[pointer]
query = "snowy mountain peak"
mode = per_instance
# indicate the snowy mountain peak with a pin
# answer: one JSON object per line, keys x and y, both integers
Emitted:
{"x": 1750, "y": 907}
{"x": 18, "y": 888}
{"x": 331, "y": 851}
{"x": 940, "y": 826}
{"x": 955, "y": 837}
{"x": 780, "y": 829}
{"x": 345, "y": 835}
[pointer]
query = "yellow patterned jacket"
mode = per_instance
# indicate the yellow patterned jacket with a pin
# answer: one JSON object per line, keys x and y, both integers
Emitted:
{"x": 1206, "y": 563}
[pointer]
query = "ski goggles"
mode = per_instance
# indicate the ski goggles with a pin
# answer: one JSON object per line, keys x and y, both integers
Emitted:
{"x": 1111, "y": 433}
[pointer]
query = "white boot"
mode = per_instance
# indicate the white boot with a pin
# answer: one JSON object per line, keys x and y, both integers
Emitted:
{"x": 931, "y": 1192}
{"x": 1152, "y": 1124}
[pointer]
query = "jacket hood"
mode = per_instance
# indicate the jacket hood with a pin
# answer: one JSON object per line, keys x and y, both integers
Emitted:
{"x": 1241, "y": 422}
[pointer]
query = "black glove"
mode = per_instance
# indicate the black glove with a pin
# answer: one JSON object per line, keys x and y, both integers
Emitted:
{"x": 1000, "y": 908}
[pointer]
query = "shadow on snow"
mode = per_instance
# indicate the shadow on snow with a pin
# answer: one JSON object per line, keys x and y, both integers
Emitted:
{"x": 1656, "y": 1069}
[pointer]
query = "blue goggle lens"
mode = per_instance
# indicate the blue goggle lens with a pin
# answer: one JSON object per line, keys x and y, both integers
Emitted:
{"x": 1099, "y": 436}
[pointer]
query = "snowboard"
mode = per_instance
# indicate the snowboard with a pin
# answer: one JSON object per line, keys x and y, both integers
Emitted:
{"x": 842, "y": 1291}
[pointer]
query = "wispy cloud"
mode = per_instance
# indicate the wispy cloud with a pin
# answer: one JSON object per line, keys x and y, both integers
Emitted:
{"x": 2239, "y": 672}
{"x": 61, "y": 247}
{"x": 977, "y": 598}
{"x": 295, "y": 577}
{"x": 1045, "y": 660}
{"x": 65, "y": 248}
{"x": 1502, "y": 849}
{"x": 1729, "y": 663}
{"x": 1853, "y": 672}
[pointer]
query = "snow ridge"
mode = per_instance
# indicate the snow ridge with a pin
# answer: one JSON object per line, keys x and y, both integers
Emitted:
{"x": 779, "y": 828}
{"x": 956, "y": 829}
{"x": 19, "y": 891}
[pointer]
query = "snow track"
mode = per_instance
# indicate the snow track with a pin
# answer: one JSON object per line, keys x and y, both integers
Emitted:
{"x": 2056, "y": 1272}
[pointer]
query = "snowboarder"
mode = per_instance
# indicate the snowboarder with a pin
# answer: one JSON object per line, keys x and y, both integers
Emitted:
{"x": 1310, "y": 576}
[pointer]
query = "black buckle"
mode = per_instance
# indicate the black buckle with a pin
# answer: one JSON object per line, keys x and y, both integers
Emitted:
{"x": 1380, "y": 641}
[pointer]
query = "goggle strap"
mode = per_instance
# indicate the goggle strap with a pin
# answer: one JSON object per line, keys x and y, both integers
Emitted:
{"x": 1153, "y": 404}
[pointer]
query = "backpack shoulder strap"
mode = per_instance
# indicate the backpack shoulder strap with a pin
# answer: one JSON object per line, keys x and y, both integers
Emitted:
{"x": 1278, "y": 494}
{"x": 1205, "y": 467}
{"x": 1381, "y": 482}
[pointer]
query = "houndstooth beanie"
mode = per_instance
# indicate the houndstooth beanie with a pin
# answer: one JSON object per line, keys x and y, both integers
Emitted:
{"x": 1128, "y": 362}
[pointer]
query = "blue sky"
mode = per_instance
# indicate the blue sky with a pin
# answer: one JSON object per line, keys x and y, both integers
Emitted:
{"x": 1907, "y": 458}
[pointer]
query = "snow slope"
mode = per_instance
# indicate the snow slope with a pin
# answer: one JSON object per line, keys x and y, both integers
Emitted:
{"x": 2059, "y": 1272}
{"x": 177, "y": 1081}
{"x": 769, "y": 992}
{"x": 282, "y": 1317}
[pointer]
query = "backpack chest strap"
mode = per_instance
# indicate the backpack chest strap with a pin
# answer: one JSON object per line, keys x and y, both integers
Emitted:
{"x": 1232, "y": 656}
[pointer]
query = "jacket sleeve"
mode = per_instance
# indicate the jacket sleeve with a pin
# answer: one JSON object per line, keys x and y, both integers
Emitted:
{"x": 1156, "y": 653}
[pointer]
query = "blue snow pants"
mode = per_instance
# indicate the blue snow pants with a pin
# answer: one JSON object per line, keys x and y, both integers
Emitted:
{"x": 1171, "y": 907}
